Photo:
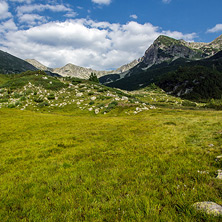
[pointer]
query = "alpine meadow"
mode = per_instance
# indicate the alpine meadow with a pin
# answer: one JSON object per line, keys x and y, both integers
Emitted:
{"x": 105, "y": 116}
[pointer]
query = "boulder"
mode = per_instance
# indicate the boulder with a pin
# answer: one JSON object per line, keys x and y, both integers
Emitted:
{"x": 209, "y": 208}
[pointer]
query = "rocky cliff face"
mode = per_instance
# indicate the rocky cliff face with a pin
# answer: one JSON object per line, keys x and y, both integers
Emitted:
{"x": 168, "y": 49}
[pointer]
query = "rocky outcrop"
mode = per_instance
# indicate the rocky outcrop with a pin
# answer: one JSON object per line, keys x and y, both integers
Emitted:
{"x": 168, "y": 49}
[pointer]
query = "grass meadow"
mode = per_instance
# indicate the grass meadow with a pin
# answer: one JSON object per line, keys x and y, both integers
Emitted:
{"x": 76, "y": 166}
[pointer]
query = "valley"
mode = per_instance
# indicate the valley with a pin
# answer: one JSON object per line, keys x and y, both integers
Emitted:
{"x": 143, "y": 146}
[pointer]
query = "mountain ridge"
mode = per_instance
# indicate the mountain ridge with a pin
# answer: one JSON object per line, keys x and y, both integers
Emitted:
{"x": 166, "y": 51}
{"x": 81, "y": 72}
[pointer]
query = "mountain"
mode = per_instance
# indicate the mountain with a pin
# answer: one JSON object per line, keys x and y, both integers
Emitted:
{"x": 38, "y": 65}
{"x": 78, "y": 71}
{"x": 197, "y": 80}
{"x": 12, "y": 64}
{"x": 81, "y": 72}
{"x": 164, "y": 55}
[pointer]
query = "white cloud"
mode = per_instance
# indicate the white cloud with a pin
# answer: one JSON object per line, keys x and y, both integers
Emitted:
{"x": 4, "y": 13}
{"x": 40, "y": 7}
{"x": 8, "y": 26}
{"x": 71, "y": 14}
{"x": 102, "y": 2}
{"x": 216, "y": 28}
{"x": 22, "y": 1}
{"x": 134, "y": 16}
{"x": 166, "y": 1}
{"x": 32, "y": 19}
{"x": 99, "y": 45}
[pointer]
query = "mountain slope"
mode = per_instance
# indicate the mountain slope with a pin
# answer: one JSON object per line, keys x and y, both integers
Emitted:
{"x": 12, "y": 64}
{"x": 39, "y": 65}
{"x": 164, "y": 55}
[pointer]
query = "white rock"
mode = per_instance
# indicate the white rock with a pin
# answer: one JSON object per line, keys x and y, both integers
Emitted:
{"x": 79, "y": 94}
{"x": 219, "y": 176}
{"x": 209, "y": 208}
{"x": 93, "y": 98}
{"x": 96, "y": 111}
{"x": 124, "y": 98}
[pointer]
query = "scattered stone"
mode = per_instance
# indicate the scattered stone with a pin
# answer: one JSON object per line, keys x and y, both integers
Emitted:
{"x": 219, "y": 176}
{"x": 211, "y": 145}
{"x": 79, "y": 94}
{"x": 93, "y": 98}
{"x": 96, "y": 111}
{"x": 218, "y": 158}
{"x": 125, "y": 98}
{"x": 209, "y": 208}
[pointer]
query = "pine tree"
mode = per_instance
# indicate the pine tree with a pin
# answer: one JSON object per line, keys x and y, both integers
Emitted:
{"x": 93, "y": 78}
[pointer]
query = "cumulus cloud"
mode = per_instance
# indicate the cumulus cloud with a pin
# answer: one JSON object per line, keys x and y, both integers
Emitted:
{"x": 134, "y": 16}
{"x": 83, "y": 42}
{"x": 4, "y": 13}
{"x": 102, "y": 2}
{"x": 216, "y": 28}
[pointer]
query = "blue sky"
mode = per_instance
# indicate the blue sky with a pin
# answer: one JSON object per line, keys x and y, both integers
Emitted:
{"x": 101, "y": 34}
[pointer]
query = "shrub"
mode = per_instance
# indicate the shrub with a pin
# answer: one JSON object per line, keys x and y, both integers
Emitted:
{"x": 28, "y": 92}
{"x": 38, "y": 100}
{"x": 91, "y": 102}
{"x": 189, "y": 103}
{"x": 51, "y": 96}
{"x": 23, "y": 98}
{"x": 43, "y": 104}
{"x": 111, "y": 106}
{"x": 11, "y": 105}
{"x": 17, "y": 95}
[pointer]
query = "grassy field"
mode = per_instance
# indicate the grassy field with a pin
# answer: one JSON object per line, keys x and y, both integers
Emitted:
{"x": 76, "y": 166}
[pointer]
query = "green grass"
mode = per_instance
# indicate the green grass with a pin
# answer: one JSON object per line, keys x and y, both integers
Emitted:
{"x": 75, "y": 166}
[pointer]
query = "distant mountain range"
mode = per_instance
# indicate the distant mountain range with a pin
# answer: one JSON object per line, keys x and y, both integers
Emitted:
{"x": 78, "y": 71}
{"x": 10, "y": 64}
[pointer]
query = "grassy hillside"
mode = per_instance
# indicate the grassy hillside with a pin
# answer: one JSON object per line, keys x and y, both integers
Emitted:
{"x": 74, "y": 150}
{"x": 74, "y": 167}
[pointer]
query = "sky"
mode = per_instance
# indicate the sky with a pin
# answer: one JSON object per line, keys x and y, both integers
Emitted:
{"x": 101, "y": 34}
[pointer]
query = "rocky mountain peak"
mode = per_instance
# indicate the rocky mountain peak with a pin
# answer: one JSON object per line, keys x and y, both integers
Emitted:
{"x": 167, "y": 49}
